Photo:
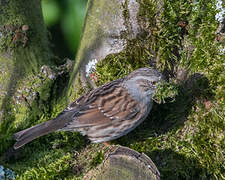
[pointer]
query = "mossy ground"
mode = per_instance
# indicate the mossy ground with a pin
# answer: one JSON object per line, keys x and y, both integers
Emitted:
{"x": 186, "y": 137}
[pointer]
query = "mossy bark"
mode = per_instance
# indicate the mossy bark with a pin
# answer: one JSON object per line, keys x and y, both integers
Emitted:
{"x": 115, "y": 30}
{"x": 25, "y": 91}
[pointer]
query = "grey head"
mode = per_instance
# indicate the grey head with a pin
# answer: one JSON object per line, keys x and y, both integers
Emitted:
{"x": 142, "y": 83}
{"x": 150, "y": 74}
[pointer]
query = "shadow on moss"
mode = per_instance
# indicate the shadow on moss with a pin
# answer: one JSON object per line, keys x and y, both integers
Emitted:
{"x": 175, "y": 166}
{"x": 168, "y": 116}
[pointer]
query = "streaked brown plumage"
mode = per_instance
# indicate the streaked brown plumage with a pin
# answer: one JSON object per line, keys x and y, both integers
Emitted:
{"x": 105, "y": 113}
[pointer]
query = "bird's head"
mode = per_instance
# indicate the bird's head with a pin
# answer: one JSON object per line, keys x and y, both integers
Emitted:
{"x": 145, "y": 80}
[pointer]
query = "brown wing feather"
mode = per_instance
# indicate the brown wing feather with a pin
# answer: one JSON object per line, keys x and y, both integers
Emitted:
{"x": 100, "y": 111}
{"x": 89, "y": 108}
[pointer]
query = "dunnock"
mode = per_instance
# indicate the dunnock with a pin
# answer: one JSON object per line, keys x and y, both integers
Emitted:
{"x": 105, "y": 113}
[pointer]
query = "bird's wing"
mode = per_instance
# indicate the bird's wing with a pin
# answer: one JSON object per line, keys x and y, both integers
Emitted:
{"x": 105, "y": 106}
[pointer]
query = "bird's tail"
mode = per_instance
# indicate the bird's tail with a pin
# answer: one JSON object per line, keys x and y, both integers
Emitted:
{"x": 27, "y": 135}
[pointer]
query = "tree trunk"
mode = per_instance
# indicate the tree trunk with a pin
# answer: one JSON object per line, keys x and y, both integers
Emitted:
{"x": 124, "y": 163}
{"x": 25, "y": 91}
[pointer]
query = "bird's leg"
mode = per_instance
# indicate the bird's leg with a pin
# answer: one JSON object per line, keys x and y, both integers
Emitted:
{"x": 106, "y": 144}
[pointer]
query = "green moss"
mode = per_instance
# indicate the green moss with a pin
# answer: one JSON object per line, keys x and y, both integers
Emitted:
{"x": 115, "y": 66}
{"x": 98, "y": 159}
{"x": 165, "y": 91}
{"x": 55, "y": 163}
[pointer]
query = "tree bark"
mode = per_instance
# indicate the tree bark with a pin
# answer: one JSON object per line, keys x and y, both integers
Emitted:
{"x": 124, "y": 163}
{"x": 25, "y": 91}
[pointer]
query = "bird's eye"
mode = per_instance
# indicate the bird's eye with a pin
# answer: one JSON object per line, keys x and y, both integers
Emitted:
{"x": 154, "y": 83}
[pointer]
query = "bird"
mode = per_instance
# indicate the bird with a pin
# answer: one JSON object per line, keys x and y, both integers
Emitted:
{"x": 105, "y": 113}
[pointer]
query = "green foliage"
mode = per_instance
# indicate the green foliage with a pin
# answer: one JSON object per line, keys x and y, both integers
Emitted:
{"x": 69, "y": 14}
{"x": 72, "y": 22}
{"x": 51, "y": 11}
